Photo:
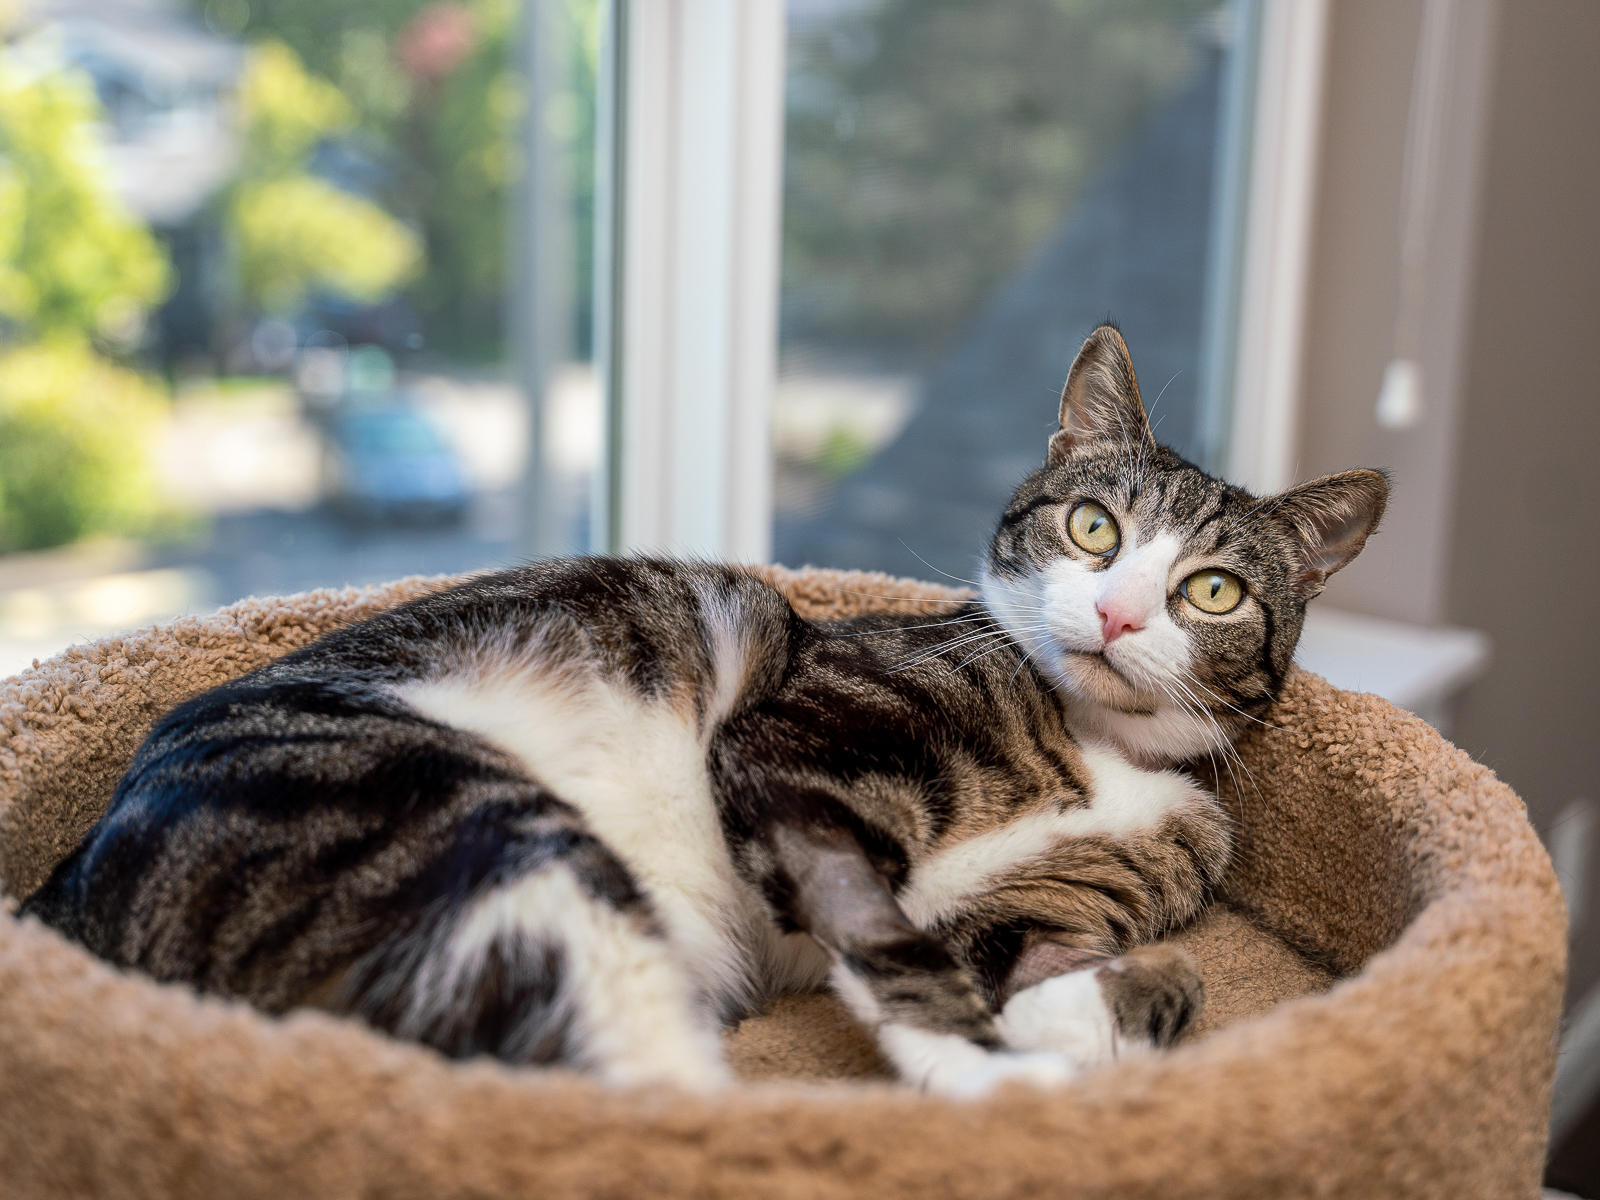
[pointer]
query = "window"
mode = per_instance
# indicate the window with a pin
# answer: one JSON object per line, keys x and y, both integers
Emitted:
{"x": 970, "y": 186}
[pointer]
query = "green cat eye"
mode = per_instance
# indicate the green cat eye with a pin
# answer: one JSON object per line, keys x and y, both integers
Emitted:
{"x": 1093, "y": 529}
{"x": 1213, "y": 591}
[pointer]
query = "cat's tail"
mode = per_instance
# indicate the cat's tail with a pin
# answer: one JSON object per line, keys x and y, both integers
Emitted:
{"x": 528, "y": 939}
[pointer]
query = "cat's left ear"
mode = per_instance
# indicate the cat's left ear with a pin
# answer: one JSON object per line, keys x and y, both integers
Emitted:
{"x": 1101, "y": 400}
{"x": 1330, "y": 520}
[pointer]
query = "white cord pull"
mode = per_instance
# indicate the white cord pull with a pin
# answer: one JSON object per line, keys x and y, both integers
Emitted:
{"x": 1400, "y": 400}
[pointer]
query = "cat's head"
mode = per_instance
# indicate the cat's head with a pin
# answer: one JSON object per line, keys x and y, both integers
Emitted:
{"x": 1164, "y": 603}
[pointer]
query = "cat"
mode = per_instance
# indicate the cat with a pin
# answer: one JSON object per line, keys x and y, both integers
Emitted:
{"x": 589, "y": 811}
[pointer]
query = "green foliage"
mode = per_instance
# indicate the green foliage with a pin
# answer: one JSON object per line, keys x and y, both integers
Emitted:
{"x": 73, "y": 264}
{"x": 74, "y": 446}
{"x": 348, "y": 42}
{"x": 286, "y": 112}
{"x": 71, "y": 258}
{"x": 931, "y": 144}
{"x": 572, "y": 121}
{"x": 299, "y": 233}
{"x": 295, "y": 233}
{"x": 462, "y": 164}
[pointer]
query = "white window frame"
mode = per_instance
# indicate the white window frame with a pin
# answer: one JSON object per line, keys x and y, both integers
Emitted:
{"x": 1262, "y": 404}
{"x": 691, "y": 154}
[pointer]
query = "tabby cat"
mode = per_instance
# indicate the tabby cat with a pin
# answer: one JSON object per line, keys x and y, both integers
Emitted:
{"x": 589, "y": 811}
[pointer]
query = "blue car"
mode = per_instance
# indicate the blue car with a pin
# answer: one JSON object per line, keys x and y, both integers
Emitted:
{"x": 391, "y": 464}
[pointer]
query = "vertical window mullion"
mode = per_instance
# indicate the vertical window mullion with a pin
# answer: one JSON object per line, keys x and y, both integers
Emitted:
{"x": 691, "y": 167}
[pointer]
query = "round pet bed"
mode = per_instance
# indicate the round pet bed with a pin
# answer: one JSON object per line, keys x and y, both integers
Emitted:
{"x": 1384, "y": 969}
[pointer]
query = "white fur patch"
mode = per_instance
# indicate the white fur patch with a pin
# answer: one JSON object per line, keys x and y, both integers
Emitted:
{"x": 632, "y": 1008}
{"x": 1171, "y": 734}
{"x": 727, "y": 634}
{"x": 857, "y": 996}
{"x": 1124, "y": 800}
{"x": 944, "y": 1062}
{"x": 952, "y": 1066}
{"x": 793, "y": 962}
{"x": 1128, "y": 799}
{"x": 1067, "y": 1014}
{"x": 637, "y": 773}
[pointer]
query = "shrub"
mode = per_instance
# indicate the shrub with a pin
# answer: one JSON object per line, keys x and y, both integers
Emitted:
{"x": 75, "y": 436}
{"x": 299, "y": 233}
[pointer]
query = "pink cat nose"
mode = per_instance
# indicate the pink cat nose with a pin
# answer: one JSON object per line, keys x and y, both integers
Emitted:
{"x": 1117, "y": 620}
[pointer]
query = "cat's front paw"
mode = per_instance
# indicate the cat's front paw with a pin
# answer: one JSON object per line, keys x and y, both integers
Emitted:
{"x": 1144, "y": 1000}
{"x": 1040, "y": 1068}
{"x": 947, "y": 1064}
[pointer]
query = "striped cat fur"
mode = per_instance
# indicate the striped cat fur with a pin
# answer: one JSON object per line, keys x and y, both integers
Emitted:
{"x": 589, "y": 811}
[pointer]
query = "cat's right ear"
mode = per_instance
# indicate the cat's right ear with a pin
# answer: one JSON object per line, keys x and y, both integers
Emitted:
{"x": 1101, "y": 400}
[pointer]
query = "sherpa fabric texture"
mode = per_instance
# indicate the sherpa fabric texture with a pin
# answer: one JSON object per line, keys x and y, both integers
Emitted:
{"x": 1384, "y": 969}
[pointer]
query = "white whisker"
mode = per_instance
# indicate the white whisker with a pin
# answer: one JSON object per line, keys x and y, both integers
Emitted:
{"x": 932, "y": 625}
{"x": 922, "y": 656}
{"x": 931, "y": 567}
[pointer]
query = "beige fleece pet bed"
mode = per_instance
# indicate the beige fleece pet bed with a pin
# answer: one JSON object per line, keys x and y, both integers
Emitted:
{"x": 1384, "y": 972}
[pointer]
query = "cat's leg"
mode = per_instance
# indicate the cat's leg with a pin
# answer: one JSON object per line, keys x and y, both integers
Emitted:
{"x": 1099, "y": 1009}
{"x": 1140, "y": 858}
{"x": 903, "y": 983}
{"x": 530, "y": 940}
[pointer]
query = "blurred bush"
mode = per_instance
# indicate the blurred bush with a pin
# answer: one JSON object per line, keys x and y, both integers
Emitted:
{"x": 299, "y": 234}
{"x": 75, "y": 435}
{"x": 75, "y": 268}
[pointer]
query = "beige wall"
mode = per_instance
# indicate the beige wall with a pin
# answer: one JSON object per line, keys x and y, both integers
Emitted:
{"x": 1356, "y": 286}
{"x": 1525, "y": 558}
{"x": 1495, "y": 519}
{"x": 1354, "y": 290}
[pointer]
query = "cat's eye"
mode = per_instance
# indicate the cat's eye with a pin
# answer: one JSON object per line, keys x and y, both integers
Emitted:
{"x": 1093, "y": 529}
{"x": 1213, "y": 591}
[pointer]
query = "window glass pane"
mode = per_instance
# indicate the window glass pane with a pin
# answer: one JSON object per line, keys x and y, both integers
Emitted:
{"x": 263, "y": 267}
{"x": 971, "y": 186}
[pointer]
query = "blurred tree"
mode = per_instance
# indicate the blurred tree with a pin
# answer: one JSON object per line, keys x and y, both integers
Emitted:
{"x": 299, "y": 234}
{"x": 932, "y": 143}
{"x": 465, "y": 159}
{"x": 72, "y": 259}
{"x": 295, "y": 233}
